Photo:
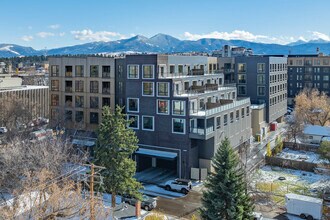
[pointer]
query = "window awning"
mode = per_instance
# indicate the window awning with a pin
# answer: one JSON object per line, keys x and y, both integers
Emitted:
{"x": 157, "y": 153}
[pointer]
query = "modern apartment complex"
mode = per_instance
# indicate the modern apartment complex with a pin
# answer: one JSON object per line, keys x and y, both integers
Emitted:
{"x": 307, "y": 71}
{"x": 180, "y": 110}
{"x": 79, "y": 88}
{"x": 264, "y": 80}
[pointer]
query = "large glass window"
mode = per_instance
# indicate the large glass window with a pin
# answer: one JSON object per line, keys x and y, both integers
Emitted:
{"x": 218, "y": 122}
{"x": 55, "y": 70}
{"x": 133, "y": 72}
{"x": 261, "y": 79}
{"x": 79, "y": 71}
{"x": 68, "y": 115}
{"x": 163, "y": 107}
{"x": 79, "y": 101}
{"x": 178, "y": 125}
{"x": 148, "y": 88}
{"x": 172, "y": 69}
{"x": 178, "y": 107}
{"x": 94, "y": 86}
{"x": 326, "y": 78}
{"x": 241, "y": 67}
{"x": 106, "y": 87}
{"x": 68, "y": 71}
{"x": 55, "y": 86}
{"x": 261, "y": 90}
{"x": 94, "y": 117}
{"x": 225, "y": 119}
{"x": 163, "y": 89}
{"x": 94, "y": 71}
{"x": 148, "y": 123}
{"x": 261, "y": 68}
{"x": 68, "y": 86}
{"x": 242, "y": 90}
{"x": 241, "y": 78}
{"x": 133, "y": 121}
{"x": 55, "y": 99}
{"x": 94, "y": 102}
{"x": 79, "y": 116}
{"x": 106, "y": 102}
{"x": 79, "y": 86}
{"x": 133, "y": 104}
{"x": 147, "y": 71}
{"x": 106, "y": 71}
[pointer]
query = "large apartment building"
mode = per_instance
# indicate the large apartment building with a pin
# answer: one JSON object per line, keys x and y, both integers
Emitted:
{"x": 264, "y": 80}
{"x": 79, "y": 88}
{"x": 307, "y": 71}
{"x": 180, "y": 110}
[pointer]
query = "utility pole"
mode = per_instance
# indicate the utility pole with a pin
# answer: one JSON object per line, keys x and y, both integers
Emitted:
{"x": 92, "y": 192}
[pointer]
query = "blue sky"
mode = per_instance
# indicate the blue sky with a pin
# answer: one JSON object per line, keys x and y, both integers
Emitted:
{"x": 57, "y": 23}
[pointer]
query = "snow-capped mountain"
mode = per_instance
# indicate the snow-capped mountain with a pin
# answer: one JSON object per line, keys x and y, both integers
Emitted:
{"x": 162, "y": 43}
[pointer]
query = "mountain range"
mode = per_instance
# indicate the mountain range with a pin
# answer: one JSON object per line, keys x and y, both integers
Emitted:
{"x": 162, "y": 43}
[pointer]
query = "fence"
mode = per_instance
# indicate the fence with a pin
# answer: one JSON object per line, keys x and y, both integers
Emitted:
{"x": 300, "y": 146}
{"x": 292, "y": 164}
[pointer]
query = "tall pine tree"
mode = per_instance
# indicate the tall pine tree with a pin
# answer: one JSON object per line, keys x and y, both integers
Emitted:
{"x": 115, "y": 145}
{"x": 226, "y": 195}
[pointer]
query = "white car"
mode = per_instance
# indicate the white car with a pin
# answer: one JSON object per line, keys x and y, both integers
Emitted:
{"x": 181, "y": 185}
{"x": 3, "y": 130}
{"x": 257, "y": 216}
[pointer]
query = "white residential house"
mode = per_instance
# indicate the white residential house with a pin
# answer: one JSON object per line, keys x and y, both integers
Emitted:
{"x": 314, "y": 134}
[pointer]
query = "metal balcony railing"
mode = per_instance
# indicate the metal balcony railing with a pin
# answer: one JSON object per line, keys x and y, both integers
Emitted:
{"x": 191, "y": 73}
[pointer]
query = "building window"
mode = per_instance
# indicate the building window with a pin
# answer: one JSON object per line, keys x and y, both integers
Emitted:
{"x": 163, "y": 89}
{"x": 68, "y": 71}
{"x": 241, "y": 67}
{"x": 242, "y": 90}
{"x": 218, "y": 119}
{"x": 325, "y": 85}
{"x": 231, "y": 117}
{"x": 147, "y": 71}
{"x": 68, "y": 115}
{"x": 178, "y": 125}
{"x": 172, "y": 69}
{"x": 178, "y": 107}
{"x": 261, "y": 79}
{"x": 180, "y": 68}
{"x": 148, "y": 88}
{"x": 94, "y": 102}
{"x": 237, "y": 115}
{"x": 94, "y": 117}
{"x": 68, "y": 101}
{"x": 55, "y": 100}
{"x": 225, "y": 119}
{"x": 94, "y": 86}
{"x": 247, "y": 111}
{"x": 79, "y": 71}
{"x": 79, "y": 101}
{"x": 68, "y": 86}
{"x": 162, "y": 107}
{"x": 325, "y": 78}
{"x": 133, "y": 104}
{"x": 133, "y": 72}
{"x": 261, "y": 68}
{"x": 79, "y": 86}
{"x": 147, "y": 123}
{"x": 105, "y": 102}
{"x": 241, "y": 78}
{"x": 133, "y": 121}
{"x": 106, "y": 87}
{"x": 55, "y": 85}
{"x": 106, "y": 71}
{"x": 79, "y": 116}
{"x": 242, "y": 112}
{"x": 55, "y": 70}
{"x": 261, "y": 90}
{"x": 94, "y": 71}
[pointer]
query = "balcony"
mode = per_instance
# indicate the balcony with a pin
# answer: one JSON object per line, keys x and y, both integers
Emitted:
{"x": 195, "y": 89}
{"x": 202, "y": 128}
{"x": 191, "y": 73}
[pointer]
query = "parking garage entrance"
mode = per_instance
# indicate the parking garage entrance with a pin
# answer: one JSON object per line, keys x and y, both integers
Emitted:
{"x": 155, "y": 165}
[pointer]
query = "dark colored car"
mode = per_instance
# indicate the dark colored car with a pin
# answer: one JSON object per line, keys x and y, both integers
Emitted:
{"x": 147, "y": 203}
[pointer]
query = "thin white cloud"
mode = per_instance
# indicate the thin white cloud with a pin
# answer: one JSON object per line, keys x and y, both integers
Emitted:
{"x": 61, "y": 34}
{"x": 45, "y": 34}
{"x": 318, "y": 35}
{"x": 89, "y": 35}
{"x": 54, "y": 26}
{"x": 27, "y": 38}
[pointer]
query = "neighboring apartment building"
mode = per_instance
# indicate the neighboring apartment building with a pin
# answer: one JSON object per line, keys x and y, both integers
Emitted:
{"x": 79, "y": 88}
{"x": 264, "y": 80}
{"x": 307, "y": 71}
{"x": 34, "y": 98}
{"x": 232, "y": 51}
{"x": 180, "y": 110}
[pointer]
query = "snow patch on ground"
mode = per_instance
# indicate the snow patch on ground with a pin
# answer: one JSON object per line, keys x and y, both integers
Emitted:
{"x": 154, "y": 190}
{"x": 306, "y": 156}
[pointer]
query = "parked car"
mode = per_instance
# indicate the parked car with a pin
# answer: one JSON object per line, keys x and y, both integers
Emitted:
{"x": 147, "y": 203}
{"x": 3, "y": 130}
{"x": 181, "y": 185}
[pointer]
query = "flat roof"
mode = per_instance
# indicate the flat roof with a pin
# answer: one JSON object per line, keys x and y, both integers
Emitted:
{"x": 317, "y": 130}
{"x": 19, "y": 88}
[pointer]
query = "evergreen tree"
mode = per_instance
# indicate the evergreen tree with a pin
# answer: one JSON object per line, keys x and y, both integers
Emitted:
{"x": 226, "y": 195}
{"x": 115, "y": 145}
